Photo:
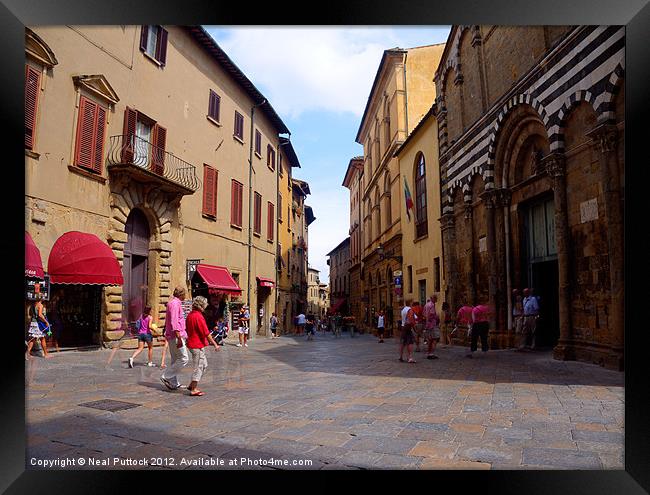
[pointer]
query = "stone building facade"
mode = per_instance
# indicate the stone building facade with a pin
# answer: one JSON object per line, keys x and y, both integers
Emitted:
{"x": 402, "y": 93}
{"x": 531, "y": 123}
{"x": 145, "y": 136}
{"x": 353, "y": 181}
{"x": 339, "y": 263}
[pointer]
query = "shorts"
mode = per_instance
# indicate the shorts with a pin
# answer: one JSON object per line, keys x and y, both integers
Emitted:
{"x": 243, "y": 330}
{"x": 407, "y": 337}
{"x": 380, "y": 330}
{"x": 432, "y": 333}
{"x": 145, "y": 337}
{"x": 419, "y": 327}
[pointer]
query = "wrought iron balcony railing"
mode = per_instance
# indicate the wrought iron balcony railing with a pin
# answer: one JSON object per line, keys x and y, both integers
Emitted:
{"x": 137, "y": 152}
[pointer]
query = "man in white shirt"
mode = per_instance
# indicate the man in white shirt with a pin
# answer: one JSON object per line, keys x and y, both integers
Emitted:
{"x": 531, "y": 313}
{"x": 407, "y": 338}
{"x": 301, "y": 323}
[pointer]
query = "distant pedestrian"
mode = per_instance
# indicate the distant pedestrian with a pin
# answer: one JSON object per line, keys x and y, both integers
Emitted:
{"x": 531, "y": 314}
{"x": 380, "y": 326}
{"x": 39, "y": 327}
{"x": 198, "y": 337}
{"x": 480, "y": 328}
{"x": 144, "y": 336}
{"x": 407, "y": 337}
{"x": 446, "y": 324}
{"x": 274, "y": 325}
{"x": 244, "y": 318}
{"x": 431, "y": 326}
{"x": 309, "y": 326}
{"x": 301, "y": 322}
{"x": 464, "y": 318}
{"x": 518, "y": 318}
{"x": 176, "y": 337}
{"x": 419, "y": 324}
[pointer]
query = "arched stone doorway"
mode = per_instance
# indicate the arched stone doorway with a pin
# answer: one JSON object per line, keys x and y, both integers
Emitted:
{"x": 135, "y": 268}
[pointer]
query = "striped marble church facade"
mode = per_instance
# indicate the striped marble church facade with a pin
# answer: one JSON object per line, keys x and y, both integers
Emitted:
{"x": 532, "y": 180}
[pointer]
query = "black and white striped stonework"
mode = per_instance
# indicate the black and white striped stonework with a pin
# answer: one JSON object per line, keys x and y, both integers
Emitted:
{"x": 587, "y": 65}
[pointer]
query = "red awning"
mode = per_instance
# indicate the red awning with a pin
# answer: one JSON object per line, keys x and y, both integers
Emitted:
{"x": 218, "y": 277}
{"x": 334, "y": 309}
{"x": 80, "y": 258}
{"x": 265, "y": 282}
{"x": 33, "y": 262}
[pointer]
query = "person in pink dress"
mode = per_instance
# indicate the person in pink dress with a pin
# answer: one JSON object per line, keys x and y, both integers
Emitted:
{"x": 431, "y": 326}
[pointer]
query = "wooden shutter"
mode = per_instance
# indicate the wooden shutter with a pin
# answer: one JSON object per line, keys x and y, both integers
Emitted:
{"x": 257, "y": 223}
{"x": 100, "y": 128}
{"x": 214, "y": 105}
{"x": 143, "y": 38}
{"x": 85, "y": 144}
{"x": 258, "y": 142}
{"x": 158, "y": 149}
{"x": 270, "y": 228}
{"x": 233, "y": 212}
{"x": 236, "y": 203}
{"x": 32, "y": 87}
{"x": 161, "y": 46}
{"x": 128, "y": 137}
{"x": 209, "y": 191}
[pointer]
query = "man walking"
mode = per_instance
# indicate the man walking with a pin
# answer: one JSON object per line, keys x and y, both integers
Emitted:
{"x": 518, "y": 318}
{"x": 531, "y": 313}
{"x": 176, "y": 336}
{"x": 431, "y": 326}
{"x": 480, "y": 328}
{"x": 406, "y": 338}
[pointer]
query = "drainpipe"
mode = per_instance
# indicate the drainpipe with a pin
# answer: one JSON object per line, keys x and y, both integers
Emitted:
{"x": 406, "y": 98}
{"x": 250, "y": 217}
{"x": 277, "y": 223}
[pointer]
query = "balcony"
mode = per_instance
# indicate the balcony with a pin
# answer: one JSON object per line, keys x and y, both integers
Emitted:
{"x": 145, "y": 162}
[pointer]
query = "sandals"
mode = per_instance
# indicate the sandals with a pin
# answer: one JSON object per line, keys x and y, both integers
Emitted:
{"x": 197, "y": 393}
{"x": 412, "y": 361}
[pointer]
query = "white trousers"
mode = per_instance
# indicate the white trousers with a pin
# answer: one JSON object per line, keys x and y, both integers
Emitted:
{"x": 200, "y": 362}
{"x": 179, "y": 358}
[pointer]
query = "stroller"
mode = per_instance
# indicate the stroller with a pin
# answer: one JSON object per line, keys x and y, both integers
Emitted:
{"x": 220, "y": 333}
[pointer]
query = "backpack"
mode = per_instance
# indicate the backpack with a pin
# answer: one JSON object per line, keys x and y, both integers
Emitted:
{"x": 138, "y": 324}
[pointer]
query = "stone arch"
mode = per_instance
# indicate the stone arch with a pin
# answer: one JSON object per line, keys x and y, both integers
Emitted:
{"x": 160, "y": 210}
{"x": 508, "y": 108}
{"x": 603, "y": 103}
{"x": 520, "y": 121}
{"x": 557, "y": 133}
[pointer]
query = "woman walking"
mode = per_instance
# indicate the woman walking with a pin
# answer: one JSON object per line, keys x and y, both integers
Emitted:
{"x": 198, "y": 337}
{"x": 38, "y": 327}
{"x": 380, "y": 326}
{"x": 144, "y": 335}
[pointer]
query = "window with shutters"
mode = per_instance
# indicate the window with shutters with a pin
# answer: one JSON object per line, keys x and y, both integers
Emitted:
{"x": 210, "y": 177}
{"x": 258, "y": 143}
{"x": 239, "y": 127}
{"x": 153, "y": 42}
{"x": 144, "y": 142}
{"x": 270, "y": 228}
{"x": 421, "y": 222}
{"x": 257, "y": 214}
{"x": 236, "y": 202}
{"x": 279, "y": 208}
{"x": 270, "y": 157}
{"x": 280, "y": 170}
{"x": 91, "y": 127}
{"x": 214, "y": 107}
{"x": 32, "y": 90}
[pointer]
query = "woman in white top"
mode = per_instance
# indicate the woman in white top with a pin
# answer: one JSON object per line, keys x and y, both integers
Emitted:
{"x": 380, "y": 326}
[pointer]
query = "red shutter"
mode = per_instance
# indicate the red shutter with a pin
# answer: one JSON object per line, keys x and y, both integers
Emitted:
{"x": 128, "y": 138}
{"x": 236, "y": 203}
{"x": 209, "y": 191}
{"x": 240, "y": 201}
{"x": 85, "y": 133}
{"x": 271, "y": 219}
{"x": 233, "y": 213}
{"x": 143, "y": 38}
{"x": 100, "y": 127}
{"x": 217, "y": 107}
{"x": 32, "y": 86}
{"x": 257, "y": 224}
{"x": 161, "y": 46}
{"x": 158, "y": 149}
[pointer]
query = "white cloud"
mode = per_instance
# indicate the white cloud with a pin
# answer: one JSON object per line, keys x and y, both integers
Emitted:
{"x": 306, "y": 69}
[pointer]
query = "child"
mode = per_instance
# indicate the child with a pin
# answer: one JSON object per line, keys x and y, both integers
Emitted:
{"x": 309, "y": 326}
{"x": 144, "y": 335}
{"x": 244, "y": 317}
{"x": 380, "y": 326}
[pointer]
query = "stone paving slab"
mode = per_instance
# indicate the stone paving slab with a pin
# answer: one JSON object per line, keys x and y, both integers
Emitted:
{"x": 336, "y": 403}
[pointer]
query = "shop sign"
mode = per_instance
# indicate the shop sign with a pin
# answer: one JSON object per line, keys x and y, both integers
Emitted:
{"x": 191, "y": 267}
{"x": 35, "y": 286}
{"x": 398, "y": 281}
{"x": 397, "y": 273}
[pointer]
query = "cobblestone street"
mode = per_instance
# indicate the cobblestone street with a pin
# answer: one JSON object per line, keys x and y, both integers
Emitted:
{"x": 339, "y": 403}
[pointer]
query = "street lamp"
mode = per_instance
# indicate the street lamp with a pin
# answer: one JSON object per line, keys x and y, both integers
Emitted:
{"x": 387, "y": 255}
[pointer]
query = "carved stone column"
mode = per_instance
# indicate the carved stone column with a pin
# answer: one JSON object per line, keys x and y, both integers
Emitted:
{"x": 605, "y": 138}
{"x": 448, "y": 228}
{"x": 471, "y": 268}
{"x": 489, "y": 200}
{"x": 504, "y": 197}
{"x": 555, "y": 166}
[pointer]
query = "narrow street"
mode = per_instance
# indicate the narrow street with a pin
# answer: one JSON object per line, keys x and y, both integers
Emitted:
{"x": 330, "y": 403}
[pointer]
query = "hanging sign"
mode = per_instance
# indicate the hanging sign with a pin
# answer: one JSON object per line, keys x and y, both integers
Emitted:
{"x": 191, "y": 267}
{"x": 34, "y": 287}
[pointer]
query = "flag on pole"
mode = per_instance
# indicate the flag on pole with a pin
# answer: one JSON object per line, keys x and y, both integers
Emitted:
{"x": 409, "y": 201}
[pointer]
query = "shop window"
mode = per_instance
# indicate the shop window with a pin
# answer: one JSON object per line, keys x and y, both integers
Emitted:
{"x": 153, "y": 42}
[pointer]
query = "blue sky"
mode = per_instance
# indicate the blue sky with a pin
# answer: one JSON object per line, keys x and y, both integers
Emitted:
{"x": 318, "y": 80}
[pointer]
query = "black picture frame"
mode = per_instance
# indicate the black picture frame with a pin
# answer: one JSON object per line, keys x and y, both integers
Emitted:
{"x": 634, "y": 14}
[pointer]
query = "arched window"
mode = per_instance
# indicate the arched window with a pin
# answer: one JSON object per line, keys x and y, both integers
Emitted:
{"x": 421, "y": 224}
{"x": 388, "y": 206}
